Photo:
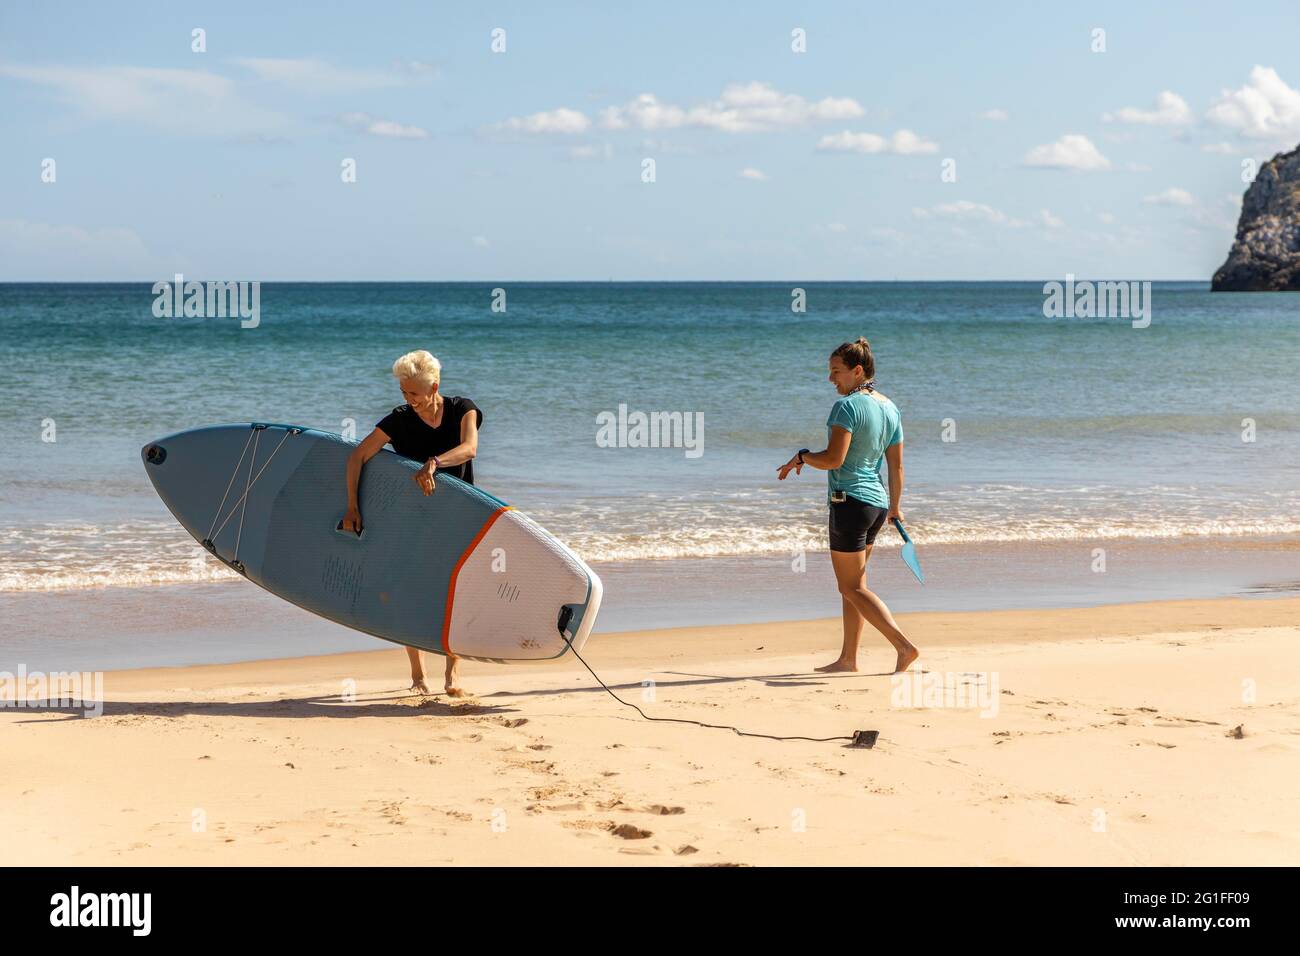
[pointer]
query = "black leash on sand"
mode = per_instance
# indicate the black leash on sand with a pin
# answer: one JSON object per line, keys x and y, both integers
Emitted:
{"x": 860, "y": 738}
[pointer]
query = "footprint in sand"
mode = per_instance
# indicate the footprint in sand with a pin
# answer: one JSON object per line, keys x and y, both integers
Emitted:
{"x": 656, "y": 808}
{"x": 543, "y": 793}
{"x": 557, "y": 807}
{"x": 585, "y": 827}
{"x": 831, "y": 770}
{"x": 626, "y": 831}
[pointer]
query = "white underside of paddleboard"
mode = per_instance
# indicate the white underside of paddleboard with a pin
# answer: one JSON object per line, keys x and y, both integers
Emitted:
{"x": 508, "y": 589}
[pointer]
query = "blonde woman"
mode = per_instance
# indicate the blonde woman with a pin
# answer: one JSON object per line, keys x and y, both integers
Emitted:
{"x": 864, "y": 427}
{"x": 440, "y": 432}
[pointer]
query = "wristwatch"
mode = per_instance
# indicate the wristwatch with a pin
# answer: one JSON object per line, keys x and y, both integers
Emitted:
{"x": 802, "y": 452}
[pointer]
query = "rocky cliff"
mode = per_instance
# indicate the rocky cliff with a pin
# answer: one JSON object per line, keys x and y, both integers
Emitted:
{"x": 1266, "y": 254}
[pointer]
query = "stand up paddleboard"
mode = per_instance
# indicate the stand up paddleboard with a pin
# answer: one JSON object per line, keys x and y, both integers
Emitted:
{"x": 458, "y": 571}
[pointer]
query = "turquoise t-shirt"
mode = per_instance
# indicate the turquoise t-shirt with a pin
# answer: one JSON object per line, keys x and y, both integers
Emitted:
{"x": 874, "y": 424}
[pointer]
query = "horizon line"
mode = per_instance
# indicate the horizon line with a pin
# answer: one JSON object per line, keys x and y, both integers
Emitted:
{"x": 1078, "y": 276}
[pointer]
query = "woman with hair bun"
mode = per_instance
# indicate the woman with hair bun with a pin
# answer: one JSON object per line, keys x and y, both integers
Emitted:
{"x": 864, "y": 427}
{"x": 439, "y": 432}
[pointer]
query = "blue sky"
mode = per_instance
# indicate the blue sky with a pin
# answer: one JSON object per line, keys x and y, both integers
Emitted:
{"x": 527, "y": 164}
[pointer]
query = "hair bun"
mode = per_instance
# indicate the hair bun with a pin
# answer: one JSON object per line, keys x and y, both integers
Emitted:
{"x": 857, "y": 353}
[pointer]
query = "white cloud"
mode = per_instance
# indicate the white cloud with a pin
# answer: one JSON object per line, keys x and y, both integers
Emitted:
{"x": 908, "y": 143}
{"x": 562, "y": 120}
{"x": 480, "y": 241}
{"x": 389, "y": 128}
{"x": 379, "y": 127}
{"x": 1173, "y": 196}
{"x": 742, "y": 108}
{"x": 903, "y": 142}
{"x": 964, "y": 209}
{"x": 1045, "y": 218}
{"x": 1106, "y": 217}
{"x": 967, "y": 211}
{"x": 1265, "y": 108}
{"x": 837, "y": 227}
{"x": 645, "y": 112}
{"x": 750, "y": 172}
{"x": 1171, "y": 110}
{"x": 1226, "y": 149}
{"x": 182, "y": 101}
{"x": 996, "y": 116}
{"x": 1071, "y": 151}
{"x": 316, "y": 76}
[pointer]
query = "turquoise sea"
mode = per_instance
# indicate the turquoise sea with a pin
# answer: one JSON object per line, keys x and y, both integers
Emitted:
{"x": 1019, "y": 428}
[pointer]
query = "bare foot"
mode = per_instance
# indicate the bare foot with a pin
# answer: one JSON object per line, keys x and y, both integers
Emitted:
{"x": 454, "y": 691}
{"x": 837, "y": 666}
{"x": 905, "y": 658}
{"x": 419, "y": 686}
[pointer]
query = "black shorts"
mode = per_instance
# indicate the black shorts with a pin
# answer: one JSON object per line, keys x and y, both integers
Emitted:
{"x": 855, "y": 524}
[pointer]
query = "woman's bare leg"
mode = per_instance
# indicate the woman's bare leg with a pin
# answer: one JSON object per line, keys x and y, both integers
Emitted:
{"x": 417, "y": 671}
{"x": 850, "y": 574}
{"x": 853, "y": 623}
{"x": 452, "y": 684}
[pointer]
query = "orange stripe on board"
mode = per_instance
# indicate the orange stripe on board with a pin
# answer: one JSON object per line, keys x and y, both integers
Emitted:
{"x": 451, "y": 588}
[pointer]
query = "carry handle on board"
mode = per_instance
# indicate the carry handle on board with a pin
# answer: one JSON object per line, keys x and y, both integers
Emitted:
{"x": 354, "y": 535}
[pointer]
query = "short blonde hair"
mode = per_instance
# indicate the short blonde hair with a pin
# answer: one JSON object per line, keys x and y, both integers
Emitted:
{"x": 420, "y": 366}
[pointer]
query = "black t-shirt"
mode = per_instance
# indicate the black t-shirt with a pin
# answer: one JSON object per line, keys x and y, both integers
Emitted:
{"x": 412, "y": 437}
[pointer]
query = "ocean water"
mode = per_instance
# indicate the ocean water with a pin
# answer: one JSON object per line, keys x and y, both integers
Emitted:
{"x": 1019, "y": 428}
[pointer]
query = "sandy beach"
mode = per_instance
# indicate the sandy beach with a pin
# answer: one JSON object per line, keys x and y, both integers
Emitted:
{"x": 1105, "y": 736}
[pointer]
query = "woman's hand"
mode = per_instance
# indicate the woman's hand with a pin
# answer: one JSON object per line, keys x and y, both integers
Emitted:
{"x": 424, "y": 477}
{"x": 352, "y": 521}
{"x": 784, "y": 470}
{"x": 894, "y": 515}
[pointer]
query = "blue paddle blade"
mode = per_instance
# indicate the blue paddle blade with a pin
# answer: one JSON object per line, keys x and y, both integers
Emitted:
{"x": 909, "y": 553}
